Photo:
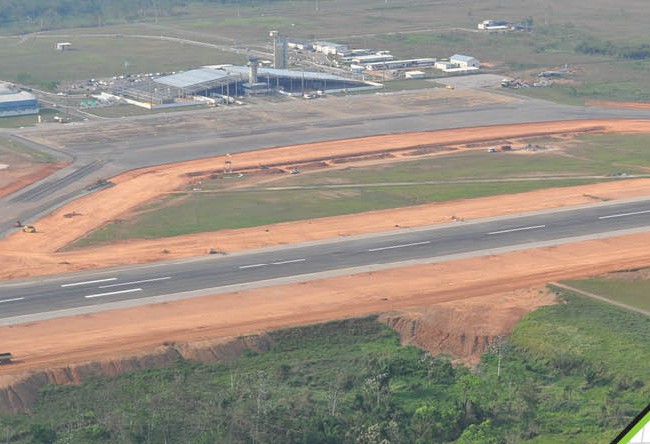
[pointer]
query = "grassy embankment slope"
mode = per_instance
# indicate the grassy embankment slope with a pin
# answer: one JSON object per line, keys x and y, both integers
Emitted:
{"x": 563, "y": 379}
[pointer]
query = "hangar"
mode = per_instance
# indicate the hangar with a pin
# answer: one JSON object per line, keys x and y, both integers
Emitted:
{"x": 228, "y": 81}
{"x": 16, "y": 103}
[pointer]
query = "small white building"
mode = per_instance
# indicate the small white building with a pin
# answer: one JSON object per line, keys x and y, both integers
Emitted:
{"x": 414, "y": 75}
{"x": 493, "y": 25}
{"x": 62, "y": 46}
{"x": 444, "y": 65}
{"x": 372, "y": 58}
{"x": 330, "y": 48}
{"x": 301, "y": 45}
{"x": 464, "y": 62}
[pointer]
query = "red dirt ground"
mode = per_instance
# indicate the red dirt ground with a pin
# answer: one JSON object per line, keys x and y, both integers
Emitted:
{"x": 59, "y": 342}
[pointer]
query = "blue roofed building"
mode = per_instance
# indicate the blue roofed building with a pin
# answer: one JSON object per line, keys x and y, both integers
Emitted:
{"x": 16, "y": 103}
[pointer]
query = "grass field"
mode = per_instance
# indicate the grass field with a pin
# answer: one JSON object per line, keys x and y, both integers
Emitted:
{"x": 195, "y": 213}
{"x": 633, "y": 292}
{"x": 47, "y": 115}
{"x": 564, "y": 379}
{"x": 94, "y": 57}
{"x": 383, "y": 186}
{"x": 469, "y": 165}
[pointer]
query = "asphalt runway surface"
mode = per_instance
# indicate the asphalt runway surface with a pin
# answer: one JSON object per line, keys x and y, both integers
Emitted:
{"x": 92, "y": 290}
{"x": 101, "y": 158}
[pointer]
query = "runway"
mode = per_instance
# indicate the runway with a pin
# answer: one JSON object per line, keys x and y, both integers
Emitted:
{"x": 90, "y": 291}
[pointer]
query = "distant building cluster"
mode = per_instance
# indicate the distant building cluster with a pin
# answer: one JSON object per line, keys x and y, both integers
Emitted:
{"x": 16, "y": 103}
{"x": 368, "y": 61}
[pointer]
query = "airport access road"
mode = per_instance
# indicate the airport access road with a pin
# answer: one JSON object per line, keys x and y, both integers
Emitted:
{"x": 90, "y": 291}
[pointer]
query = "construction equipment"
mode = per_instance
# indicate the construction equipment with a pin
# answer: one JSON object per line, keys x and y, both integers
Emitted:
{"x": 29, "y": 229}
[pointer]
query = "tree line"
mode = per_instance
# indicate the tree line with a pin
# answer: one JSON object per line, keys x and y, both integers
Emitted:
{"x": 48, "y": 14}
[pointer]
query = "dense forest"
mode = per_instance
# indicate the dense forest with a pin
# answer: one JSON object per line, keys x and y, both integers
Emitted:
{"x": 560, "y": 378}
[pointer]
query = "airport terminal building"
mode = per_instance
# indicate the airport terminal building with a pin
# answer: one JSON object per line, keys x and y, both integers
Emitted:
{"x": 16, "y": 103}
{"x": 225, "y": 82}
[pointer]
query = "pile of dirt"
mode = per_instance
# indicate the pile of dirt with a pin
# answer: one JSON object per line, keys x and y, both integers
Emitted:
{"x": 465, "y": 329}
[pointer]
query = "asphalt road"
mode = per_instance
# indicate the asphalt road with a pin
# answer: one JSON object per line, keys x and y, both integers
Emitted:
{"x": 93, "y": 289}
{"x": 99, "y": 158}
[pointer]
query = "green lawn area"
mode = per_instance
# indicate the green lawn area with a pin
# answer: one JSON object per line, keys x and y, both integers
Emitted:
{"x": 476, "y": 165}
{"x": 392, "y": 185}
{"x": 193, "y": 213}
{"x": 47, "y": 115}
{"x": 633, "y": 292}
{"x": 564, "y": 378}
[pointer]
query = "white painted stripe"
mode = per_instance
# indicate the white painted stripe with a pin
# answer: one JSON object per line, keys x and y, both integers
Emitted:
{"x": 535, "y": 227}
{"x": 624, "y": 214}
{"x": 130, "y": 290}
{"x": 136, "y": 282}
{"x": 11, "y": 300}
{"x": 253, "y": 266}
{"x": 400, "y": 246}
{"x": 89, "y": 282}
{"x": 288, "y": 262}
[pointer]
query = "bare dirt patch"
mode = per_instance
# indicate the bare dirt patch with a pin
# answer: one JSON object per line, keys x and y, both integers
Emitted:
{"x": 466, "y": 328}
{"x": 19, "y": 172}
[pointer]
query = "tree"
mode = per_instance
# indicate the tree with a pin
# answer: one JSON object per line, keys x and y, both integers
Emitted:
{"x": 483, "y": 433}
{"x": 42, "y": 434}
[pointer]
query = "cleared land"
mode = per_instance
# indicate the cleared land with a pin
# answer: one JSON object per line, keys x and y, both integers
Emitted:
{"x": 57, "y": 231}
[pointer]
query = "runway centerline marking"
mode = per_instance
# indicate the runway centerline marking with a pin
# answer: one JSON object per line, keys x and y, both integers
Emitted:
{"x": 130, "y": 290}
{"x": 11, "y": 300}
{"x": 252, "y": 266}
{"x": 136, "y": 282}
{"x": 400, "y": 246}
{"x": 512, "y": 230}
{"x": 634, "y": 213}
{"x": 288, "y": 262}
{"x": 89, "y": 282}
